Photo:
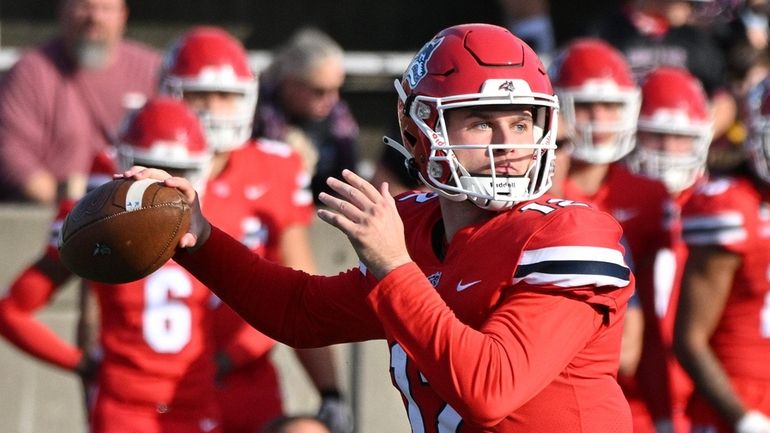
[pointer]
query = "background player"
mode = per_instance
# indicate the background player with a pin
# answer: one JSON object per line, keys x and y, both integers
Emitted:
{"x": 257, "y": 191}
{"x": 153, "y": 370}
{"x": 721, "y": 327}
{"x": 674, "y": 133}
{"x": 600, "y": 106}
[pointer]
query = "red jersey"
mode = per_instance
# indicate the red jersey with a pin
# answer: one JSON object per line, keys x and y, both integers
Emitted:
{"x": 733, "y": 214}
{"x": 663, "y": 383}
{"x": 517, "y": 329}
{"x": 154, "y": 335}
{"x": 640, "y": 205}
{"x": 261, "y": 192}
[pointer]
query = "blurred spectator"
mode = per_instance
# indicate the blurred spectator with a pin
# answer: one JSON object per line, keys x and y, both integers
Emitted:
{"x": 747, "y": 23}
{"x": 530, "y": 21}
{"x": 655, "y": 33}
{"x": 753, "y": 17}
{"x": 62, "y": 102}
{"x": 299, "y": 103}
{"x": 747, "y": 66}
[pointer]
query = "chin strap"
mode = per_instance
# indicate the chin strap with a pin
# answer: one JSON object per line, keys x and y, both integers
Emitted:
{"x": 409, "y": 163}
{"x": 397, "y": 146}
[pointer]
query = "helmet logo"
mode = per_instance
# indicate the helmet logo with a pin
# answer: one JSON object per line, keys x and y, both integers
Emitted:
{"x": 507, "y": 86}
{"x": 435, "y": 169}
{"x": 418, "y": 69}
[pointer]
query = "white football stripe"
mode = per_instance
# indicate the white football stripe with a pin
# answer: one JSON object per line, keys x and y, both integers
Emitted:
{"x": 596, "y": 254}
{"x": 724, "y": 219}
{"x": 136, "y": 192}
{"x": 721, "y": 237}
{"x": 571, "y": 280}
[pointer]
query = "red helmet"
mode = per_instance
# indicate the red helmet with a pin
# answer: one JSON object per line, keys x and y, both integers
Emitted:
{"x": 758, "y": 144}
{"x": 166, "y": 134}
{"x": 208, "y": 59}
{"x": 673, "y": 103}
{"x": 473, "y": 65}
{"x": 590, "y": 71}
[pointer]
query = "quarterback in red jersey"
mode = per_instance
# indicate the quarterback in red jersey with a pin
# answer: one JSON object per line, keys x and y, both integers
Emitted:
{"x": 503, "y": 308}
{"x": 674, "y": 133}
{"x": 722, "y": 325}
{"x": 600, "y": 104}
{"x": 155, "y": 365}
{"x": 258, "y": 192}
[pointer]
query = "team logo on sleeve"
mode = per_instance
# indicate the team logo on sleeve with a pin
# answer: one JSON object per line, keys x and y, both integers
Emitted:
{"x": 434, "y": 278}
{"x": 418, "y": 69}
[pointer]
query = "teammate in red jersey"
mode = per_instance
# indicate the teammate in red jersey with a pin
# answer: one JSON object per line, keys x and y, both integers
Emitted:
{"x": 600, "y": 106}
{"x": 258, "y": 192}
{"x": 674, "y": 133}
{"x": 155, "y": 364}
{"x": 502, "y": 307}
{"x": 722, "y": 327}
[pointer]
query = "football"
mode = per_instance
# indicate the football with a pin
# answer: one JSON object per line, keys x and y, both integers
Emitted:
{"x": 123, "y": 230}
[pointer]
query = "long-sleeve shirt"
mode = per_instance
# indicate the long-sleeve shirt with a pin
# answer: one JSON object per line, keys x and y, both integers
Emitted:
{"x": 57, "y": 118}
{"x": 517, "y": 329}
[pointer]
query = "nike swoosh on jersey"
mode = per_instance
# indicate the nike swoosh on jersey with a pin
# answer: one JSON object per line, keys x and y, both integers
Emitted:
{"x": 623, "y": 215}
{"x": 461, "y": 286}
{"x": 254, "y": 192}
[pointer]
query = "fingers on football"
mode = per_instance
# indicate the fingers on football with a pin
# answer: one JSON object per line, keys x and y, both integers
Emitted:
{"x": 183, "y": 185}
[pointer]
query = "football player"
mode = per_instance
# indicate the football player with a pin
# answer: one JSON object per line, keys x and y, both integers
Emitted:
{"x": 153, "y": 369}
{"x": 722, "y": 325}
{"x": 600, "y": 105}
{"x": 258, "y": 192}
{"x": 502, "y": 307}
{"x": 674, "y": 133}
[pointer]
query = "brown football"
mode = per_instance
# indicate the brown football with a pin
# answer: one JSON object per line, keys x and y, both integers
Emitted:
{"x": 123, "y": 230}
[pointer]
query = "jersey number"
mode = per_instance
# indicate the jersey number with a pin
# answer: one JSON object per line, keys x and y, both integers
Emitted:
{"x": 553, "y": 204}
{"x": 167, "y": 320}
{"x": 447, "y": 419}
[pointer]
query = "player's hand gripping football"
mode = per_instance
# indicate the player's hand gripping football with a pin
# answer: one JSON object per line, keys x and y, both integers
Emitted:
{"x": 200, "y": 229}
{"x": 368, "y": 218}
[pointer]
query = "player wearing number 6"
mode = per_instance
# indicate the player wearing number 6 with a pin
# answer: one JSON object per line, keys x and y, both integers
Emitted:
{"x": 502, "y": 307}
{"x": 154, "y": 369}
